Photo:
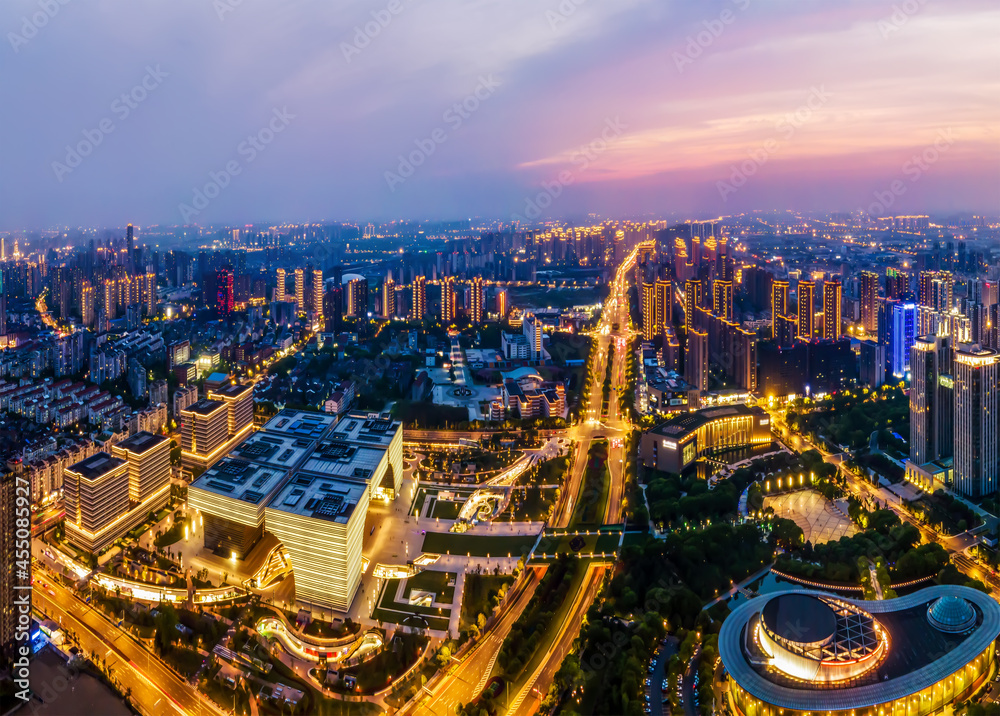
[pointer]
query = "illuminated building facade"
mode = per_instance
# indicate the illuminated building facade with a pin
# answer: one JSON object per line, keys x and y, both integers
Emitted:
{"x": 476, "y": 300}
{"x": 419, "y": 308}
{"x": 799, "y": 653}
{"x": 832, "y": 295}
{"x": 806, "y": 292}
{"x": 977, "y": 401}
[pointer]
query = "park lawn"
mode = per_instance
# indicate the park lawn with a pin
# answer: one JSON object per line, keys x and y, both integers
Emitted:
{"x": 394, "y": 617}
{"x": 477, "y": 545}
{"x": 536, "y": 505}
{"x": 446, "y": 509}
{"x": 432, "y": 581}
{"x": 592, "y": 500}
{"x": 476, "y": 596}
{"x": 389, "y": 602}
{"x": 594, "y": 542}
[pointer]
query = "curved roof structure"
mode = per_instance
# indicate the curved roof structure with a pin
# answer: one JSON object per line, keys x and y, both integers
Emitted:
{"x": 951, "y": 614}
{"x": 913, "y": 664}
{"x": 799, "y": 618}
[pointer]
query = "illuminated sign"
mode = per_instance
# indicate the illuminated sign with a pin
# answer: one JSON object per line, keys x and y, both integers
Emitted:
{"x": 765, "y": 421}
{"x": 669, "y": 444}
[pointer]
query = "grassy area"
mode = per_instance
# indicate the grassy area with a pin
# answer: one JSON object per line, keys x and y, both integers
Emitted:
{"x": 171, "y": 536}
{"x": 404, "y": 609}
{"x": 446, "y": 509}
{"x": 589, "y": 508}
{"x": 565, "y": 347}
{"x": 480, "y": 595}
{"x": 576, "y": 544}
{"x": 544, "y": 297}
{"x": 186, "y": 661}
{"x": 477, "y": 545}
{"x": 432, "y": 581}
{"x": 394, "y": 617}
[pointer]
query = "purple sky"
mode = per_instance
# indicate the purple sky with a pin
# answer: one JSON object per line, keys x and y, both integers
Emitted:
{"x": 702, "y": 106}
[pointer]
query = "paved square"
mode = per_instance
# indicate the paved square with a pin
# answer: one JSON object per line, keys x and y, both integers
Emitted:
{"x": 820, "y": 520}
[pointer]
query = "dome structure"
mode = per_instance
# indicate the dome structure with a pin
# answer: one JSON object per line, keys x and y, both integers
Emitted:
{"x": 951, "y": 614}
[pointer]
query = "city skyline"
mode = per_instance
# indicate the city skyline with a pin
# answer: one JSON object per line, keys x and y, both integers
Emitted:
{"x": 697, "y": 108}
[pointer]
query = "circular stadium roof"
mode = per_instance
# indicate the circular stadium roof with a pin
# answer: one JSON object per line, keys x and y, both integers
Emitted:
{"x": 799, "y": 618}
{"x": 951, "y": 615}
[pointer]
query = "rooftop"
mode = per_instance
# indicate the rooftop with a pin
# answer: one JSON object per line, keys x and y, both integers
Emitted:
{"x": 204, "y": 407}
{"x": 233, "y": 391}
{"x": 96, "y": 466}
{"x": 685, "y": 423}
{"x": 300, "y": 423}
{"x": 240, "y": 480}
{"x": 142, "y": 441}
{"x": 319, "y": 497}
{"x": 268, "y": 448}
{"x": 373, "y": 428}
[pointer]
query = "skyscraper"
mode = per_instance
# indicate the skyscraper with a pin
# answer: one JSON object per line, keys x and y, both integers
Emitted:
{"x": 224, "y": 291}
{"x": 807, "y": 300}
{"x": 722, "y": 299}
{"x": 692, "y": 299}
{"x": 388, "y": 297}
{"x": 936, "y": 290}
{"x": 696, "y": 359}
{"x": 932, "y": 401}
{"x": 832, "y": 293}
{"x": 649, "y": 325}
{"x": 448, "y": 299}
{"x": 779, "y": 306}
{"x": 357, "y": 297}
{"x": 664, "y": 303}
{"x": 8, "y": 573}
{"x": 902, "y": 334}
{"x": 279, "y": 285}
{"x": 419, "y": 308}
{"x": 300, "y": 289}
{"x": 87, "y": 314}
{"x": 501, "y": 299}
{"x": 317, "y": 294}
{"x": 897, "y": 284}
{"x": 476, "y": 303}
{"x": 977, "y": 400}
{"x": 868, "y": 287}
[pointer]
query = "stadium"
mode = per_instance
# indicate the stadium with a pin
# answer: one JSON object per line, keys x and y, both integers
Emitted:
{"x": 809, "y": 652}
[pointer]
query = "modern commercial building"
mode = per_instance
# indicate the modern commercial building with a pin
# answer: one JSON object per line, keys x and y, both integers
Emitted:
{"x": 932, "y": 399}
{"x": 806, "y": 296}
{"x": 239, "y": 406}
{"x": 148, "y": 458}
{"x": 204, "y": 432}
{"x": 807, "y": 653}
{"x": 675, "y": 444}
{"x": 832, "y": 298}
{"x": 96, "y": 497}
{"x": 977, "y": 402}
{"x": 902, "y": 334}
{"x": 307, "y": 478}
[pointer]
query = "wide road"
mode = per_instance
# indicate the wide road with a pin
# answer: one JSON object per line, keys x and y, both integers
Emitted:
{"x": 469, "y": 678}
{"x": 155, "y": 688}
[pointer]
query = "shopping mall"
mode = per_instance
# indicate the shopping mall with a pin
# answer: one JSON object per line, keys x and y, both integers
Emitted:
{"x": 803, "y": 653}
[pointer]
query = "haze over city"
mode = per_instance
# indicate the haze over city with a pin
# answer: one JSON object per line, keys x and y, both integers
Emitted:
{"x": 832, "y": 98}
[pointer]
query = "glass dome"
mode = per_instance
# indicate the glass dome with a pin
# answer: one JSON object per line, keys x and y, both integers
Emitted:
{"x": 951, "y": 614}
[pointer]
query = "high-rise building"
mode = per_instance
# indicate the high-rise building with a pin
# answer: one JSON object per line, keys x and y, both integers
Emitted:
{"x": 871, "y": 363}
{"x": 148, "y": 458}
{"x": 448, "y": 299}
{"x": 96, "y": 495}
{"x": 897, "y": 285}
{"x": 388, "y": 297}
{"x": 239, "y": 406}
{"x": 779, "y": 306}
{"x": 664, "y": 303}
{"x": 692, "y": 300}
{"x": 87, "y": 304}
{"x": 902, "y": 334}
{"x": 476, "y": 300}
{"x": 977, "y": 400}
{"x": 204, "y": 432}
{"x": 868, "y": 288}
{"x": 722, "y": 299}
{"x": 696, "y": 359}
{"x": 649, "y": 325}
{"x": 932, "y": 401}
{"x": 224, "y": 291}
{"x": 419, "y": 308}
{"x": 532, "y": 327}
{"x": 936, "y": 290}
{"x": 807, "y": 301}
{"x": 317, "y": 294}
{"x": 300, "y": 289}
{"x": 357, "y": 297}
{"x": 279, "y": 286}
{"x": 832, "y": 299}
{"x": 501, "y": 299}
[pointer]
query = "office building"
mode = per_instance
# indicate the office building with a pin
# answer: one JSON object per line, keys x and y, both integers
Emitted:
{"x": 419, "y": 307}
{"x": 932, "y": 399}
{"x": 224, "y": 291}
{"x": 868, "y": 288}
{"x": 279, "y": 286}
{"x": 806, "y": 296}
{"x": 779, "y": 306}
{"x": 239, "y": 406}
{"x": 96, "y": 497}
{"x": 204, "y": 433}
{"x": 476, "y": 301}
{"x": 148, "y": 458}
{"x": 977, "y": 401}
{"x": 807, "y": 653}
{"x": 832, "y": 296}
{"x": 300, "y": 290}
{"x": 448, "y": 307}
{"x": 902, "y": 334}
{"x": 357, "y": 297}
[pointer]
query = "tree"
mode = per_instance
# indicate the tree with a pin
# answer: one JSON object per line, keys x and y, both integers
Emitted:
{"x": 786, "y": 534}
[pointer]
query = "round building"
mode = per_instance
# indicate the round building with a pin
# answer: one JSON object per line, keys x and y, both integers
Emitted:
{"x": 811, "y": 653}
